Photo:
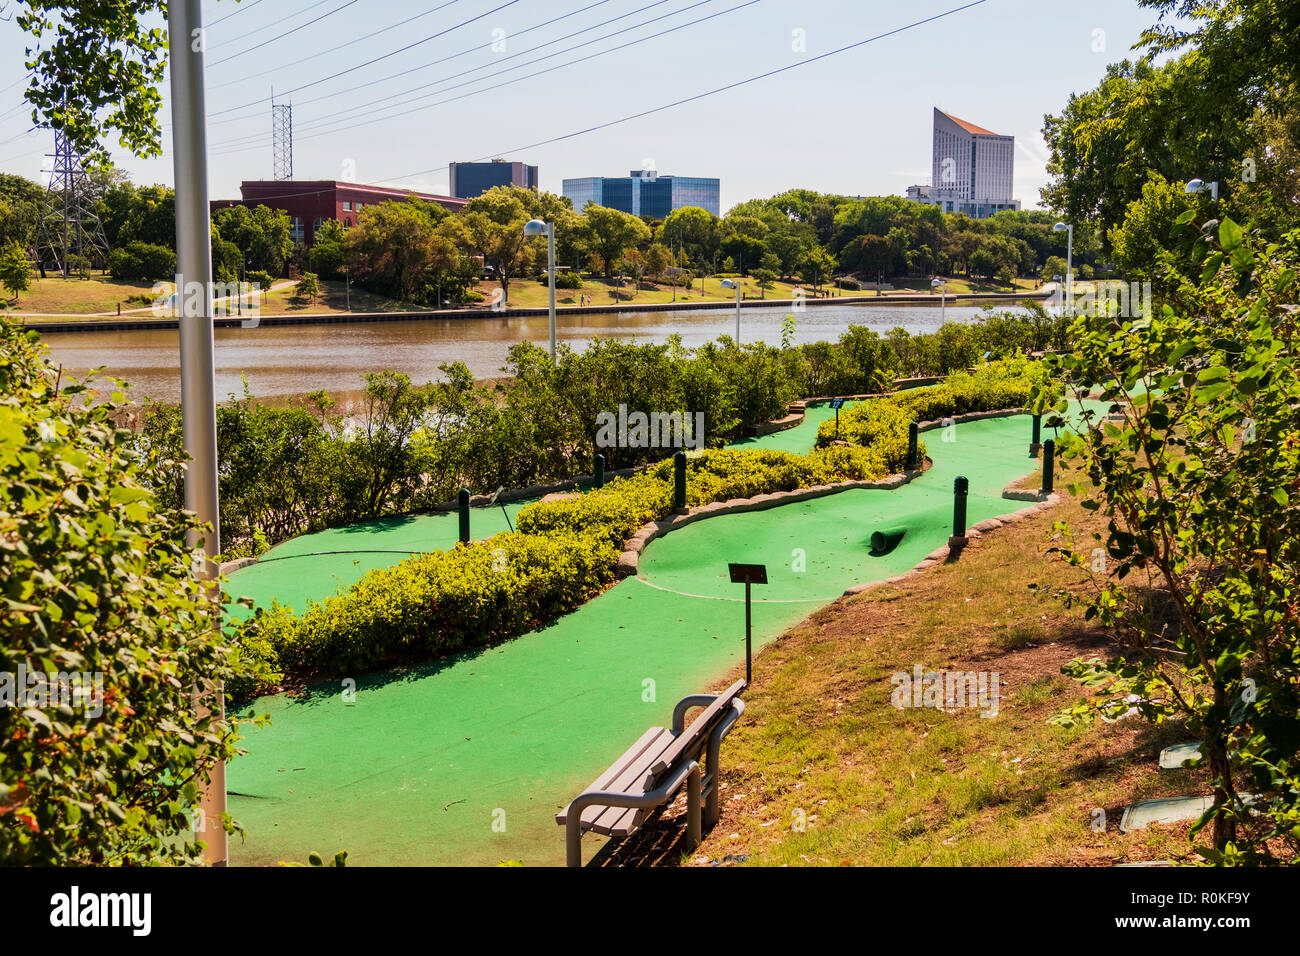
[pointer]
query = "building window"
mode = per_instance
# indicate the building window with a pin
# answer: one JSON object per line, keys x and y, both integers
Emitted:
{"x": 347, "y": 206}
{"x": 295, "y": 230}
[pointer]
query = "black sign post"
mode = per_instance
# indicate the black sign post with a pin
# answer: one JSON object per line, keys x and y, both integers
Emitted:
{"x": 496, "y": 500}
{"x": 837, "y": 404}
{"x": 747, "y": 574}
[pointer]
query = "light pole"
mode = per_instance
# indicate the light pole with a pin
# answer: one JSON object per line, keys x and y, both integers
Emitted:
{"x": 942, "y": 286}
{"x": 1201, "y": 186}
{"x": 729, "y": 284}
{"x": 1060, "y": 293}
{"x": 1068, "y": 228}
{"x": 537, "y": 227}
{"x": 198, "y": 385}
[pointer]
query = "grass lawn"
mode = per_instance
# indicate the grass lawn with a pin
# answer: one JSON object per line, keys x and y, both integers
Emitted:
{"x": 530, "y": 294}
{"x": 823, "y": 770}
{"x": 81, "y": 296}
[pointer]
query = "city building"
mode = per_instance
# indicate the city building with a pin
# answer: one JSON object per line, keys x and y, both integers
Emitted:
{"x": 645, "y": 193}
{"x": 971, "y": 169}
{"x": 309, "y": 203}
{"x": 473, "y": 179}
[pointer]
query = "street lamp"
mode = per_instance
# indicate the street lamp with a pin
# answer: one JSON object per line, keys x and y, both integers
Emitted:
{"x": 1200, "y": 186}
{"x": 942, "y": 286}
{"x": 537, "y": 227}
{"x": 1068, "y": 228}
{"x": 729, "y": 284}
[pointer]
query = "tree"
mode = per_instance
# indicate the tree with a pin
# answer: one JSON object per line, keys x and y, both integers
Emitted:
{"x": 392, "y": 247}
{"x": 308, "y": 286}
{"x": 610, "y": 233}
{"x": 1197, "y": 578}
{"x": 492, "y": 226}
{"x": 263, "y": 235}
{"x": 693, "y": 231}
{"x": 329, "y": 250}
{"x": 96, "y": 67}
{"x": 874, "y": 256}
{"x": 982, "y": 263}
{"x": 658, "y": 260}
{"x": 766, "y": 278}
{"x": 15, "y": 269}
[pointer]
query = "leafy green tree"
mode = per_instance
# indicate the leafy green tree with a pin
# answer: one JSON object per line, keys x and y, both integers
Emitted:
{"x": 610, "y": 233}
{"x": 15, "y": 269}
{"x": 263, "y": 235}
{"x": 1195, "y": 471}
{"x": 329, "y": 251}
{"x": 96, "y": 68}
{"x": 766, "y": 278}
{"x": 694, "y": 231}
{"x": 393, "y": 246}
{"x": 307, "y": 287}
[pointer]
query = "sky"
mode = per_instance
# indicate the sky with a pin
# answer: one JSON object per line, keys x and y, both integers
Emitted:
{"x": 486, "y": 78}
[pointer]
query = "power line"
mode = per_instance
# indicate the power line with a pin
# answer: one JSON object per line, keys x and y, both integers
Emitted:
{"x": 333, "y": 49}
{"x": 240, "y": 8}
{"x": 348, "y": 124}
{"x": 286, "y": 33}
{"x": 353, "y": 69}
{"x": 466, "y": 51}
{"x": 707, "y": 93}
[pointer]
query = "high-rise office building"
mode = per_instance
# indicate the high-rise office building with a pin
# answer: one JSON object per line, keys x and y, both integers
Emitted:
{"x": 473, "y": 179}
{"x": 971, "y": 169}
{"x": 645, "y": 193}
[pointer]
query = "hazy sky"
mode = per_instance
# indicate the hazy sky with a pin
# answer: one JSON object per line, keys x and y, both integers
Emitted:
{"x": 857, "y": 123}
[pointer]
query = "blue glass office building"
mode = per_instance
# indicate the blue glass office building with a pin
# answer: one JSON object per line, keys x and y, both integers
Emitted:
{"x": 643, "y": 193}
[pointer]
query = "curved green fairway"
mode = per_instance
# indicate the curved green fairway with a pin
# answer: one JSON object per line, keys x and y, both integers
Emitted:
{"x": 467, "y": 761}
{"x": 801, "y": 438}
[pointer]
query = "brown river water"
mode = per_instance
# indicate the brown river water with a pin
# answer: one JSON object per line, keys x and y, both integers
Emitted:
{"x": 295, "y": 359}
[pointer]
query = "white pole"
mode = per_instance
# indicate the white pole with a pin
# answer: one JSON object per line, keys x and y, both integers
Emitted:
{"x": 198, "y": 386}
{"x": 550, "y": 269}
{"x": 943, "y": 303}
{"x": 1069, "y": 266}
{"x": 737, "y": 311}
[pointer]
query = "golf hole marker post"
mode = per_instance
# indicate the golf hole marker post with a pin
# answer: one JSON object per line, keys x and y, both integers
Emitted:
{"x": 462, "y": 505}
{"x": 1036, "y": 437}
{"x": 1049, "y": 464}
{"x": 912, "y": 432}
{"x": 960, "y": 491}
{"x": 748, "y": 574}
{"x": 837, "y": 404}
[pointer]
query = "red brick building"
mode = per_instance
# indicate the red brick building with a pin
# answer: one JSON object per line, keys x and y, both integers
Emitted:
{"x": 310, "y": 202}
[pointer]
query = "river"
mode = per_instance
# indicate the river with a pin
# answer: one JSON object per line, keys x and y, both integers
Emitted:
{"x": 295, "y": 359}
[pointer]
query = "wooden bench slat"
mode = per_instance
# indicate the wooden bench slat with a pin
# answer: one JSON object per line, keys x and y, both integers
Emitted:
{"x": 635, "y": 778}
{"x": 632, "y": 767}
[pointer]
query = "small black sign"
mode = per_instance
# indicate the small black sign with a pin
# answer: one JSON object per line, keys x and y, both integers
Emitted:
{"x": 748, "y": 573}
{"x": 837, "y": 403}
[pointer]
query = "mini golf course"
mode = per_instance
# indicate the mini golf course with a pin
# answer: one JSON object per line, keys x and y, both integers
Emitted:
{"x": 467, "y": 760}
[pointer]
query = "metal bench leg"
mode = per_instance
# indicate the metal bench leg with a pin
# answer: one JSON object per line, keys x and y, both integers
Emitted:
{"x": 712, "y": 809}
{"x": 694, "y": 830}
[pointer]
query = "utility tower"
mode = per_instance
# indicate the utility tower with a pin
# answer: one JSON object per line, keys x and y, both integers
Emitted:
{"x": 282, "y": 140}
{"x": 71, "y": 232}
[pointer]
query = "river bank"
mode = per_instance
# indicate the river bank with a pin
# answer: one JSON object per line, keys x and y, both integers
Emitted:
{"x": 54, "y": 324}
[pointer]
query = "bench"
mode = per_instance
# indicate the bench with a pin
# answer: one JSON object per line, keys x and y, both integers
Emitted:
{"x": 647, "y": 776}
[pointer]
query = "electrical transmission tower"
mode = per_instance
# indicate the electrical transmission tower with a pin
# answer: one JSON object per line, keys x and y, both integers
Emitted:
{"x": 282, "y": 140}
{"x": 70, "y": 227}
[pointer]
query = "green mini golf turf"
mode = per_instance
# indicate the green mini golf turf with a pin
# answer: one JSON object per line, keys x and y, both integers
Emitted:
{"x": 466, "y": 761}
{"x": 801, "y": 438}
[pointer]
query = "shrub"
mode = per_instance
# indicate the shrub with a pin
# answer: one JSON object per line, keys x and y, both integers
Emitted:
{"x": 96, "y": 578}
{"x": 564, "y": 280}
{"x": 142, "y": 261}
{"x": 435, "y": 604}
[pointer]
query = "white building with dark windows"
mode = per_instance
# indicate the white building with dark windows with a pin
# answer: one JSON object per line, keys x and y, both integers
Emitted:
{"x": 971, "y": 169}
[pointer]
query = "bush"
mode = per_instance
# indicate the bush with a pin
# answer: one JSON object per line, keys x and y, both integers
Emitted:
{"x": 97, "y": 582}
{"x": 435, "y": 604}
{"x": 259, "y": 278}
{"x": 564, "y": 280}
{"x": 142, "y": 262}
{"x": 882, "y": 423}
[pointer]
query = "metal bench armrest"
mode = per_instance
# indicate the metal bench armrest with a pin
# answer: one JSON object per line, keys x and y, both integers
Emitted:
{"x": 685, "y": 704}
{"x": 609, "y": 798}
